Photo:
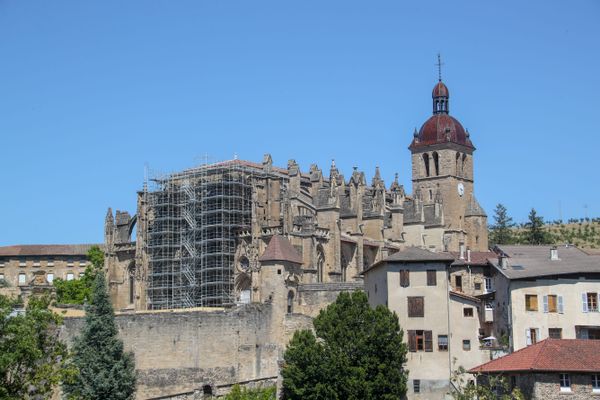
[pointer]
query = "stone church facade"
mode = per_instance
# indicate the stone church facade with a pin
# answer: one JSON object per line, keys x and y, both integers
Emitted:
{"x": 200, "y": 233}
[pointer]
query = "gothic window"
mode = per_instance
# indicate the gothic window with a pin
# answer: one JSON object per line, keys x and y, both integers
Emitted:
{"x": 131, "y": 289}
{"x": 436, "y": 162}
{"x": 457, "y": 164}
{"x": 320, "y": 263}
{"x": 464, "y": 162}
{"x": 426, "y": 162}
{"x": 290, "y": 302}
{"x": 243, "y": 285}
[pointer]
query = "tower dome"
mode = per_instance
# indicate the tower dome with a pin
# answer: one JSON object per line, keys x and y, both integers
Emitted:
{"x": 441, "y": 127}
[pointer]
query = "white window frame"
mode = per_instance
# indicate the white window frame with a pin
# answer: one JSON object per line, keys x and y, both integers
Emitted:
{"x": 24, "y": 281}
{"x": 564, "y": 382}
{"x": 487, "y": 285}
{"x": 71, "y": 274}
{"x": 50, "y": 277}
{"x": 1, "y": 276}
{"x": 595, "y": 383}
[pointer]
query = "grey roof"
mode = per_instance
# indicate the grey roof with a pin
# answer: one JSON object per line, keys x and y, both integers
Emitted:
{"x": 534, "y": 261}
{"x": 47, "y": 249}
{"x": 474, "y": 209}
{"x": 414, "y": 254}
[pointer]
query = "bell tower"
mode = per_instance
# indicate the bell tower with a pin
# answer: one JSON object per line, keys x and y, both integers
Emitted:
{"x": 442, "y": 168}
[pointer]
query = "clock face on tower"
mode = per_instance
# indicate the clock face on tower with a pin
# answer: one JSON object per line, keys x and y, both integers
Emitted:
{"x": 461, "y": 189}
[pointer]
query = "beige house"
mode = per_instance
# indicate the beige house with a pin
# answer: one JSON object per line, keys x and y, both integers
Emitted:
{"x": 545, "y": 292}
{"x": 441, "y": 326}
{"x": 20, "y": 264}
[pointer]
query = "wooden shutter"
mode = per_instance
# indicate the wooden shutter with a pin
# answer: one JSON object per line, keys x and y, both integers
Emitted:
{"x": 528, "y": 337}
{"x": 584, "y": 302}
{"x": 431, "y": 277}
{"x": 412, "y": 341}
{"x": 428, "y": 341}
{"x": 404, "y": 278}
{"x": 416, "y": 306}
{"x": 561, "y": 305}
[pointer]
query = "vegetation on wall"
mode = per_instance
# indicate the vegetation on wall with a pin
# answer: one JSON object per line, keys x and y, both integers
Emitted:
{"x": 79, "y": 291}
{"x": 32, "y": 358}
{"x": 582, "y": 232}
{"x": 238, "y": 393}
{"x": 104, "y": 370}
{"x": 490, "y": 388}
{"x": 355, "y": 353}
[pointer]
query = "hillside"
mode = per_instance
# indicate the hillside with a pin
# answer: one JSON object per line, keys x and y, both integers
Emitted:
{"x": 583, "y": 233}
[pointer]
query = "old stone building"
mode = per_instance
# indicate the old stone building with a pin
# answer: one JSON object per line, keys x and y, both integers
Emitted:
{"x": 201, "y": 232}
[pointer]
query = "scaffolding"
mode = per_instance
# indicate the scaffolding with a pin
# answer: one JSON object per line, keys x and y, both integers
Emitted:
{"x": 193, "y": 219}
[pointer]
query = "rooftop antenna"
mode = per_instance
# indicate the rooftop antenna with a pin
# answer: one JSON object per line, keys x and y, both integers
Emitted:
{"x": 439, "y": 65}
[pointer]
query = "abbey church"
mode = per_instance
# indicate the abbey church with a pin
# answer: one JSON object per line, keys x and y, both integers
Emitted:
{"x": 201, "y": 232}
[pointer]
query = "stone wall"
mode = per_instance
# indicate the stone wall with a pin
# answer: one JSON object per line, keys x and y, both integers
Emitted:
{"x": 178, "y": 353}
{"x": 314, "y": 297}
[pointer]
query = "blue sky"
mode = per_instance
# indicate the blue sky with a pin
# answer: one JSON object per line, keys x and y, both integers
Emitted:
{"x": 92, "y": 92}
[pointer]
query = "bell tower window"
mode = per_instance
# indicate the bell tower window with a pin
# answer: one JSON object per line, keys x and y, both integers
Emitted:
{"x": 426, "y": 162}
{"x": 436, "y": 163}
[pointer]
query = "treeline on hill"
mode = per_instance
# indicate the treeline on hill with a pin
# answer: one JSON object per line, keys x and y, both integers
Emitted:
{"x": 583, "y": 232}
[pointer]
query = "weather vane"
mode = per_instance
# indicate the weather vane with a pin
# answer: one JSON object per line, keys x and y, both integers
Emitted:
{"x": 439, "y": 65}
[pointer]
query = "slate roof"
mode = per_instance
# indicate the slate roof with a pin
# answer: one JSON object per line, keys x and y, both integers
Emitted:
{"x": 414, "y": 254}
{"x": 551, "y": 355}
{"x": 280, "y": 249}
{"x": 474, "y": 209}
{"x": 534, "y": 261}
{"x": 47, "y": 249}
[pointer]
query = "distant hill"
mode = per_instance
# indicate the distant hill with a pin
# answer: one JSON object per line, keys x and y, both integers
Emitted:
{"x": 583, "y": 233}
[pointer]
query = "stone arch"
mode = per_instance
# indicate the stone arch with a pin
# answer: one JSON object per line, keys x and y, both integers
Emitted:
{"x": 243, "y": 287}
{"x": 132, "y": 224}
{"x": 290, "y": 302}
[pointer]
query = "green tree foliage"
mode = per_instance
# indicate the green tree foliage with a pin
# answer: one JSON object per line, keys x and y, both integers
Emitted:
{"x": 491, "y": 388}
{"x": 32, "y": 359}
{"x": 104, "y": 370}
{"x": 501, "y": 231}
{"x": 356, "y": 354}
{"x": 79, "y": 291}
{"x": 534, "y": 230}
{"x": 238, "y": 393}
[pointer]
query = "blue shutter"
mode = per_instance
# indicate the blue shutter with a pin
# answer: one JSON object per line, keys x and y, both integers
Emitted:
{"x": 545, "y": 304}
{"x": 584, "y": 302}
{"x": 561, "y": 305}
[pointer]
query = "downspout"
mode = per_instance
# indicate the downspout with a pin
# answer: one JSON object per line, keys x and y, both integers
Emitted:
{"x": 447, "y": 269}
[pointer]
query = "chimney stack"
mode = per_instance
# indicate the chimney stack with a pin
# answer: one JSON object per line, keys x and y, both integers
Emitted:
{"x": 554, "y": 254}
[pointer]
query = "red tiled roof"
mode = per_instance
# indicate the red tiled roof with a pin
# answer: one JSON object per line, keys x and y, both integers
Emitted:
{"x": 280, "y": 249}
{"x": 559, "y": 355}
{"x": 477, "y": 257}
{"x": 46, "y": 249}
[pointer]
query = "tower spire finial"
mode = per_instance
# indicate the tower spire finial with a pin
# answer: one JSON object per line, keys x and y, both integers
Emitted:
{"x": 439, "y": 65}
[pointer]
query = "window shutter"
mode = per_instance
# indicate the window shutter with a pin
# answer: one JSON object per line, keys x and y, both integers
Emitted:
{"x": 431, "y": 278}
{"x": 404, "y": 278}
{"x": 428, "y": 341}
{"x": 545, "y": 304}
{"x": 584, "y": 302}
{"x": 528, "y": 336}
{"x": 412, "y": 341}
{"x": 561, "y": 306}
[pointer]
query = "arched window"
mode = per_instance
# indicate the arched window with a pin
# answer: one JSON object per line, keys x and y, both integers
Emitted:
{"x": 320, "y": 263}
{"x": 426, "y": 162}
{"x": 131, "y": 273}
{"x": 436, "y": 162}
{"x": 207, "y": 390}
{"x": 243, "y": 285}
{"x": 457, "y": 164}
{"x": 464, "y": 162}
{"x": 290, "y": 302}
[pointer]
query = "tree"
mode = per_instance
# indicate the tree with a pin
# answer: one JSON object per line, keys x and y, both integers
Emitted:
{"x": 32, "y": 358}
{"x": 356, "y": 353}
{"x": 238, "y": 393}
{"x": 104, "y": 370}
{"x": 79, "y": 291}
{"x": 490, "y": 388}
{"x": 501, "y": 231}
{"x": 534, "y": 230}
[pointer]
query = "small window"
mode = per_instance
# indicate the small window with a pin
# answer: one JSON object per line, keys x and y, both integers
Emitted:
{"x": 488, "y": 284}
{"x": 416, "y": 306}
{"x": 417, "y": 385}
{"x": 420, "y": 341}
{"x": 1, "y": 264}
{"x": 596, "y": 383}
{"x": 70, "y": 276}
{"x": 555, "y": 333}
{"x": 443, "y": 342}
{"x": 468, "y": 311}
{"x": 431, "y": 277}
{"x": 458, "y": 283}
{"x": 466, "y": 345}
{"x": 404, "y": 278}
{"x": 207, "y": 390}
{"x": 531, "y": 303}
{"x": 565, "y": 382}
{"x": 278, "y": 272}
{"x": 69, "y": 262}
{"x": 1, "y": 277}
{"x": 477, "y": 286}
{"x": 50, "y": 277}
{"x": 22, "y": 279}
{"x": 36, "y": 263}
{"x": 592, "y": 301}
{"x": 50, "y": 262}
{"x": 533, "y": 335}
{"x": 22, "y": 263}
{"x": 290, "y": 302}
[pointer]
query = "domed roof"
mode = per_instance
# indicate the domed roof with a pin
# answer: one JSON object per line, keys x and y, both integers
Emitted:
{"x": 441, "y": 128}
{"x": 440, "y": 90}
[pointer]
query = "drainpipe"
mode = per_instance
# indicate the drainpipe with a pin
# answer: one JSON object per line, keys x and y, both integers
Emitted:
{"x": 449, "y": 330}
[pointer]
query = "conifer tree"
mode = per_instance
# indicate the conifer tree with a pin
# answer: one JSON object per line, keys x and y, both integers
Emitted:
{"x": 104, "y": 370}
{"x": 535, "y": 233}
{"x": 501, "y": 231}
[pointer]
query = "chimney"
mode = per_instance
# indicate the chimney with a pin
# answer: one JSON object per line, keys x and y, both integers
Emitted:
{"x": 469, "y": 255}
{"x": 554, "y": 254}
{"x": 461, "y": 249}
{"x": 503, "y": 261}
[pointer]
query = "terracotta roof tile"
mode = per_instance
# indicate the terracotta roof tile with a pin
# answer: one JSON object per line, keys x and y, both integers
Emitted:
{"x": 280, "y": 249}
{"x": 559, "y": 355}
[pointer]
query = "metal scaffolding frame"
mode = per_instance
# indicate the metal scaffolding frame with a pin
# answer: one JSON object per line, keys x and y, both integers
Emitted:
{"x": 193, "y": 219}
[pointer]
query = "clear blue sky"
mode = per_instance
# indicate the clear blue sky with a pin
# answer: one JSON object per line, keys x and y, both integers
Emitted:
{"x": 91, "y": 92}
